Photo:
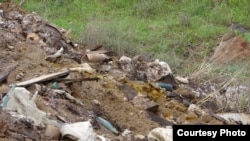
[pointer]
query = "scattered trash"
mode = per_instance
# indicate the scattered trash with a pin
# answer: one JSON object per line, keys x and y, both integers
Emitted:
{"x": 54, "y": 85}
{"x": 153, "y": 71}
{"x": 167, "y": 87}
{"x": 131, "y": 91}
{"x": 161, "y": 134}
{"x": 52, "y": 58}
{"x": 19, "y": 101}
{"x": 68, "y": 96}
{"x": 97, "y": 58}
{"x": 169, "y": 79}
{"x": 107, "y": 125}
{"x": 83, "y": 68}
{"x": 140, "y": 137}
{"x": 79, "y": 131}
{"x": 157, "y": 69}
{"x": 8, "y": 96}
{"x": 182, "y": 79}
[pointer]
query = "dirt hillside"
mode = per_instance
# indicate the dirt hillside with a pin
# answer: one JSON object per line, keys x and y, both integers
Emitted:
{"x": 137, "y": 94}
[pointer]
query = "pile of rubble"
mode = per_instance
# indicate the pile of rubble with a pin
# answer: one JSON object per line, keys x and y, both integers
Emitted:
{"x": 54, "y": 89}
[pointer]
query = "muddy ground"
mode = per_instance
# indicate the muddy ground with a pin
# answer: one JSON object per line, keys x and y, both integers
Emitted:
{"x": 28, "y": 47}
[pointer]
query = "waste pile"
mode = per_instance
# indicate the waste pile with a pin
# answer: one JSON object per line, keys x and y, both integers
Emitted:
{"x": 54, "y": 89}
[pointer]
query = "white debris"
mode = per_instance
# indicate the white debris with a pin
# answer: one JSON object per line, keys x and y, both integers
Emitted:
{"x": 80, "y": 131}
{"x": 125, "y": 63}
{"x": 196, "y": 110}
{"x": 20, "y": 101}
{"x": 161, "y": 134}
{"x": 85, "y": 67}
{"x": 182, "y": 79}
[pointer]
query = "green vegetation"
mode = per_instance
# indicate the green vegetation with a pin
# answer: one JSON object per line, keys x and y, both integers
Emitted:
{"x": 177, "y": 31}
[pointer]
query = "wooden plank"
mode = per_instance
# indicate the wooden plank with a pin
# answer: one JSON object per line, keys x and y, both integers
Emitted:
{"x": 43, "y": 78}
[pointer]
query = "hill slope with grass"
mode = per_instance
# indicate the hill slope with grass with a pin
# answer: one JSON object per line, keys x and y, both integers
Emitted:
{"x": 183, "y": 33}
{"x": 169, "y": 30}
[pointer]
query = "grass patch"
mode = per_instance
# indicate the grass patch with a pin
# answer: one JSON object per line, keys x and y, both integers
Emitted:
{"x": 175, "y": 31}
